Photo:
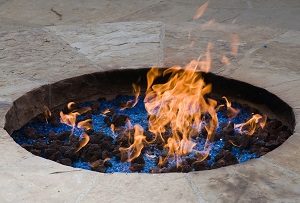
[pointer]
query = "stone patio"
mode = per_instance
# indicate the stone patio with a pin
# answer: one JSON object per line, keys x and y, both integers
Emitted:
{"x": 37, "y": 48}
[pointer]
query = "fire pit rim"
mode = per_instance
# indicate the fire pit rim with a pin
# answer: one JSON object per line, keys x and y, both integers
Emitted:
{"x": 47, "y": 87}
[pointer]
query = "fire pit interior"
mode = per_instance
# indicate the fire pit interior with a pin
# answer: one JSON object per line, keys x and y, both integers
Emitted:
{"x": 149, "y": 120}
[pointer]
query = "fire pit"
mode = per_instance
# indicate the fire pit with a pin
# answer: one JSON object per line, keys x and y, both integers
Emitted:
{"x": 176, "y": 120}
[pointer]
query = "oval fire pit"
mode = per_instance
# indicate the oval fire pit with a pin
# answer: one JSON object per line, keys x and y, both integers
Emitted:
{"x": 174, "y": 121}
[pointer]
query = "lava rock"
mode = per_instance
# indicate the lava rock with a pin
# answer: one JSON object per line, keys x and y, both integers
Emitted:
{"x": 65, "y": 161}
{"x": 31, "y": 133}
{"x": 105, "y": 154}
{"x": 227, "y": 157}
{"x": 95, "y": 106}
{"x": 63, "y": 136}
{"x": 135, "y": 167}
{"x": 36, "y": 152}
{"x": 200, "y": 165}
{"x": 27, "y": 146}
{"x": 96, "y": 138}
{"x": 229, "y": 129}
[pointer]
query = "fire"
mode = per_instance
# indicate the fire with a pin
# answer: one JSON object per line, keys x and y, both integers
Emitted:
{"x": 250, "y": 126}
{"x": 47, "y": 113}
{"x": 83, "y": 142}
{"x": 225, "y": 60}
{"x": 200, "y": 11}
{"x": 70, "y": 119}
{"x": 135, "y": 149}
{"x": 181, "y": 104}
{"x": 106, "y": 111}
{"x": 86, "y": 124}
{"x": 132, "y": 103}
{"x": 235, "y": 40}
{"x": 231, "y": 112}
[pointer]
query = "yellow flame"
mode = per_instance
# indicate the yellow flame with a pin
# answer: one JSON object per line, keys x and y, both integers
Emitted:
{"x": 135, "y": 149}
{"x": 250, "y": 126}
{"x": 231, "y": 112}
{"x": 200, "y": 11}
{"x": 132, "y": 103}
{"x": 83, "y": 142}
{"x": 70, "y": 119}
{"x": 86, "y": 124}
{"x": 225, "y": 60}
{"x": 181, "y": 104}
{"x": 112, "y": 127}
{"x": 47, "y": 113}
{"x": 235, "y": 40}
{"x": 106, "y": 111}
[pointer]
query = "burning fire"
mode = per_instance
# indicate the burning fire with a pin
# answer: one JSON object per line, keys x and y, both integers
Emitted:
{"x": 179, "y": 110}
{"x": 71, "y": 118}
{"x": 132, "y": 103}
{"x": 252, "y": 124}
{"x": 231, "y": 112}
{"x": 134, "y": 150}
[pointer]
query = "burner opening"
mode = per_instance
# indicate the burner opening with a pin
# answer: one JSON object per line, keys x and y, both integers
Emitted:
{"x": 95, "y": 122}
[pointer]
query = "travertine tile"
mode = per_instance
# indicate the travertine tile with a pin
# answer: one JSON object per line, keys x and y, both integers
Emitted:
{"x": 253, "y": 181}
{"x": 141, "y": 188}
{"x": 138, "y": 44}
{"x": 284, "y": 155}
{"x": 36, "y": 55}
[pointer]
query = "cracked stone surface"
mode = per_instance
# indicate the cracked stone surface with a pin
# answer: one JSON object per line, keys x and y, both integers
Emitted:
{"x": 32, "y": 55}
{"x": 105, "y": 43}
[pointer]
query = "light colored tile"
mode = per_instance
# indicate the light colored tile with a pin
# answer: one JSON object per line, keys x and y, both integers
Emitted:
{"x": 253, "y": 181}
{"x": 138, "y": 44}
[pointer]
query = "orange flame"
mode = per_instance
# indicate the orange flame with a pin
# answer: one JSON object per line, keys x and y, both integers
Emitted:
{"x": 231, "y": 112}
{"x": 181, "y": 104}
{"x": 132, "y": 103}
{"x": 250, "y": 126}
{"x": 134, "y": 150}
{"x": 225, "y": 60}
{"x": 112, "y": 127}
{"x": 200, "y": 11}
{"x": 106, "y": 111}
{"x": 235, "y": 40}
{"x": 86, "y": 124}
{"x": 84, "y": 140}
{"x": 70, "y": 119}
{"x": 47, "y": 113}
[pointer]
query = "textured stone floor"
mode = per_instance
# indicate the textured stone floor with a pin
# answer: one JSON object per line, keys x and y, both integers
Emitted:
{"x": 39, "y": 46}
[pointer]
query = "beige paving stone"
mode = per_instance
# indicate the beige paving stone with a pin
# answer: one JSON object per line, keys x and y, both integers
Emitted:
{"x": 4, "y": 107}
{"x": 290, "y": 36}
{"x": 253, "y": 181}
{"x": 39, "y": 56}
{"x": 284, "y": 155}
{"x": 139, "y": 44}
{"x": 279, "y": 56}
{"x": 186, "y": 41}
{"x": 141, "y": 188}
{"x": 39, "y": 12}
{"x": 12, "y": 87}
{"x": 28, "y": 178}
